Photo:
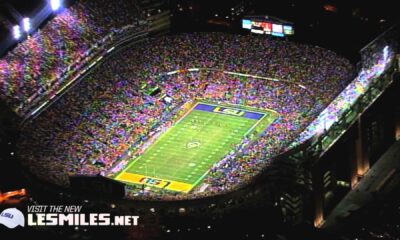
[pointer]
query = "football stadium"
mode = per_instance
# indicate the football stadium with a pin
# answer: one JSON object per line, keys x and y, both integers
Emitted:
{"x": 184, "y": 115}
{"x": 109, "y": 100}
{"x": 190, "y": 113}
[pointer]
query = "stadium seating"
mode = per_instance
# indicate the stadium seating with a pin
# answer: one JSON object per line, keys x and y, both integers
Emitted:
{"x": 37, "y": 64}
{"x": 106, "y": 115}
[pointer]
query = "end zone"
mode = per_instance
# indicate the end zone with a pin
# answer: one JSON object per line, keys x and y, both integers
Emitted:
{"x": 155, "y": 182}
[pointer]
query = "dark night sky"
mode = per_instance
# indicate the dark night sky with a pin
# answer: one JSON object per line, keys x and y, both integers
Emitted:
{"x": 351, "y": 26}
{"x": 357, "y": 20}
{"x": 10, "y": 10}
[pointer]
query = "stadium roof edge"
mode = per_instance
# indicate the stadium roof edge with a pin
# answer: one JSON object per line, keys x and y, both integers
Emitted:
{"x": 381, "y": 35}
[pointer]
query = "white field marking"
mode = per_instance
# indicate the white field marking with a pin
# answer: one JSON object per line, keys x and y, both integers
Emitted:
{"x": 187, "y": 113}
{"x": 164, "y": 172}
{"x": 129, "y": 165}
{"x": 255, "y": 125}
{"x": 205, "y": 124}
{"x": 201, "y": 178}
{"x": 158, "y": 139}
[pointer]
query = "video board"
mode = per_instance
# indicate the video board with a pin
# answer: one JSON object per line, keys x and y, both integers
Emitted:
{"x": 267, "y": 27}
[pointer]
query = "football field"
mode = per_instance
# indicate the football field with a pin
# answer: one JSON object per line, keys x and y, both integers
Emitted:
{"x": 183, "y": 155}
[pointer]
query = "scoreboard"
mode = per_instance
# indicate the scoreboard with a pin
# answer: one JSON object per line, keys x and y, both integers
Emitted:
{"x": 268, "y": 26}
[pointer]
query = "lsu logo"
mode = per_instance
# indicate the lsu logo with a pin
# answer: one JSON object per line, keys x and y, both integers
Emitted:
{"x": 12, "y": 217}
{"x": 155, "y": 182}
{"x": 229, "y": 111}
{"x": 194, "y": 144}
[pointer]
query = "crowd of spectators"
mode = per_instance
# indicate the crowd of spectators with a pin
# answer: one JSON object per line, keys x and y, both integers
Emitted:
{"x": 93, "y": 126}
{"x": 377, "y": 57}
{"x": 37, "y": 64}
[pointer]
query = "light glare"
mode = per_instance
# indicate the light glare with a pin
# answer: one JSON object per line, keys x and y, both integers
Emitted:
{"x": 26, "y": 23}
{"x": 55, "y": 4}
{"x": 17, "y": 32}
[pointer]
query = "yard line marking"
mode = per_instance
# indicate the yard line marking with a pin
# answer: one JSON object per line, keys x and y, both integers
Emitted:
{"x": 251, "y": 129}
{"x": 201, "y": 178}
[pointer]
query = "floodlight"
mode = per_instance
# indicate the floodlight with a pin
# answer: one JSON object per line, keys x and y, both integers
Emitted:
{"x": 55, "y": 4}
{"x": 17, "y": 32}
{"x": 26, "y": 24}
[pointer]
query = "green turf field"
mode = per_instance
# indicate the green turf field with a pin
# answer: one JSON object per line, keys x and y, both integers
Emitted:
{"x": 182, "y": 156}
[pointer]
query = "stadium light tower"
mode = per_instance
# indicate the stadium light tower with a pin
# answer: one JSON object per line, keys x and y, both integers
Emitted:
{"x": 55, "y": 4}
{"x": 26, "y": 24}
{"x": 17, "y": 32}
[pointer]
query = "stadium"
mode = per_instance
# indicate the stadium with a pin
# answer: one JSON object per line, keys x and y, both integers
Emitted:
{"x": 196, "y": 113}
{"x": 162, "y": 102}
{"x": 104, "y": 93}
